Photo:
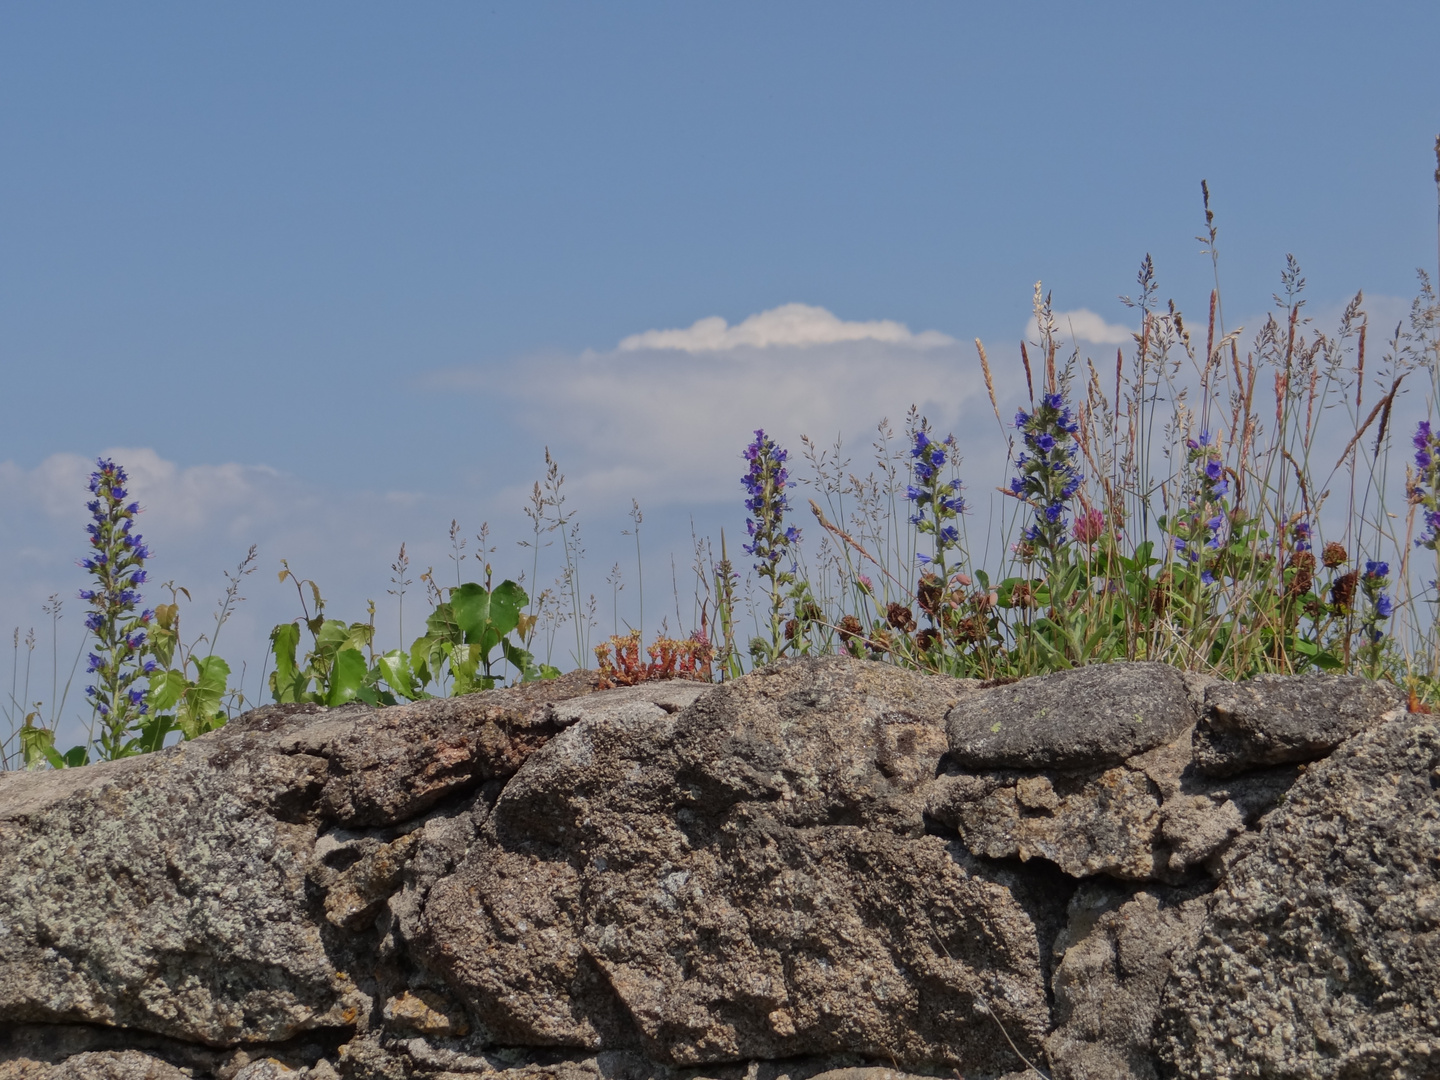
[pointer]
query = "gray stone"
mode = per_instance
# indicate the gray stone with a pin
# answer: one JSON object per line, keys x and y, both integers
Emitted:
{"x": 1283, "y": 719}
{"x": 171, "y": 892}
{"x": 1320, "y": 956}
{"x": 1152, "y": 818}
{"x": 157, "y": 898}
{"x": 748, "y": 878}
{"x": 95, "y": 1065}
{"x": 1076, "y": 719}
{"x": 1115, "y": 960}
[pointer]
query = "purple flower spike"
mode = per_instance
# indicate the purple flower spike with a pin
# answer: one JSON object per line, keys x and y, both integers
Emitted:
{"x": 937, "y": 500}
{"x": 116, "y": 562}
{"x": 1426, "y": 487}
{"x": 1048, "y": 478}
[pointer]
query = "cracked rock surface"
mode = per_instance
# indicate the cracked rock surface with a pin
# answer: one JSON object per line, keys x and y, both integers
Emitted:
{"x": 827, "y": 869}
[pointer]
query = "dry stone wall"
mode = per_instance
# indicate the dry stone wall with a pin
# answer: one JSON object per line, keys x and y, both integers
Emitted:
{"x": 830, "y": 868}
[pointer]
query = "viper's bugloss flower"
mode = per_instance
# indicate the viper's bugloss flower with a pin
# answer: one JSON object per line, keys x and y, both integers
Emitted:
{"x": 1373, "y": 583}
{"x": 116, "y": 562}
{"x": 765, "y": 486}
{"x": 936, "y": 500}
{"x": 1425, "y": 489}
{"x": 770, "y": 538}
{"x": 1047, "y": 477}
{"x": 1204, "y": 528}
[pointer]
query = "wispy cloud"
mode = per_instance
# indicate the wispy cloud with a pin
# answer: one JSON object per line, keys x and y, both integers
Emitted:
{"x": 1082, "y": 324}
{"x": 789, "y": 325}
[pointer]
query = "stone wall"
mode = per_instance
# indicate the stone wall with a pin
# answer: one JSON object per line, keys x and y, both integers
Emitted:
{"x": 830, "y": 868}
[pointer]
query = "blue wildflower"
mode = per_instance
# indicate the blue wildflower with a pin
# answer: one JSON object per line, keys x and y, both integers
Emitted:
{"x": 1204, "y": 527}
{"x": 770, "y": 538}
{"x": 117, "y": 564}
{"x": 1374, "y": 582}
{"x": 1048, "y": 478}
{"x": 937, "y": 501}
{"x": 1425, "y": 488}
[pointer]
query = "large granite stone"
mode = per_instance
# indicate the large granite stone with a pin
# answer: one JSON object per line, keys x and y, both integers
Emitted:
{"x": 1283, "y": 719}
{"x": 747, "y": 878}
{"x": 1320, "y": 955}
{"x": 1080, "y": 718}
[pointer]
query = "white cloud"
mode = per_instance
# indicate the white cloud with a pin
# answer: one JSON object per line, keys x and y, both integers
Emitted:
{"x": 639, "y": 422}
{"x": 1082, "y": 324}
{"x": 789, "y": 325}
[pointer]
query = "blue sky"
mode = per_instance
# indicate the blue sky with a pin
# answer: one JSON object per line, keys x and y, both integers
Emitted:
{"x": 332, "y": 274}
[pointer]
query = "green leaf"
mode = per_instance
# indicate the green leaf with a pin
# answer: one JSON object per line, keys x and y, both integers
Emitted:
{"x": 359, "y": 636}
{"x": 332, "y": 636}
{"x": 442, "y": 625}
{"x": 166, "y": 687}
{"x": 37, "y": 744}
{"x": 202, "y": 697}
{"x": 347, "y": 677}
{"x": 471, "y": 605}
{"x": 507, "y": 603}
{"x": 521, "y": 660}
{"x": 426, "y": 659}
{"x": 464, "y": 659}
{"x": 73, "y": 758}
{"x": 153, "y": 732}
{"x": 372, "y": 695}
{"x": 394, "y": 668}
{"x": 287, "y": 684}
